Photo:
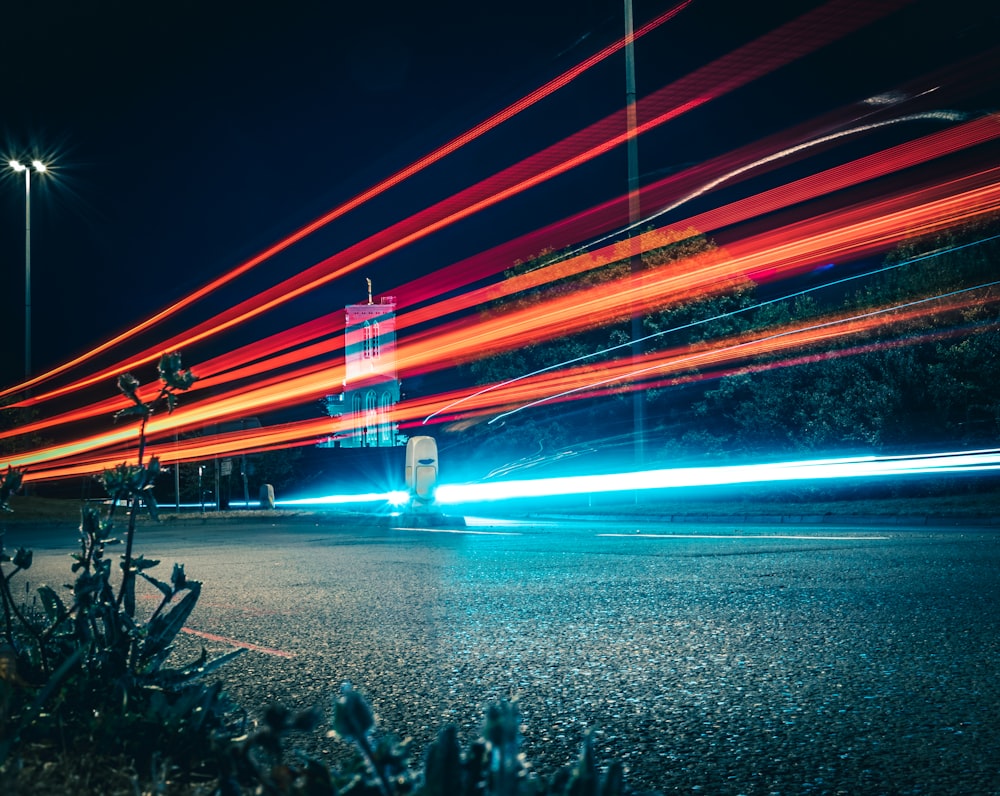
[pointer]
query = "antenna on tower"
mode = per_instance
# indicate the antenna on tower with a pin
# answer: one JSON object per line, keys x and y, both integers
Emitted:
{"x": 369, "y": 281}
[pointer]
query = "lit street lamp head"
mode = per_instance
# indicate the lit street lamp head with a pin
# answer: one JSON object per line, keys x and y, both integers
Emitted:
{"x": 17, "y": 165}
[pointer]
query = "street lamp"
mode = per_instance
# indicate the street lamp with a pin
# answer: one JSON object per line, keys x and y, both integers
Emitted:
{"x": 40, "y": 167}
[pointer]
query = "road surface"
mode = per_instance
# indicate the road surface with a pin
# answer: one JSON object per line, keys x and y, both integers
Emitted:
{"x": 711, "y": 658}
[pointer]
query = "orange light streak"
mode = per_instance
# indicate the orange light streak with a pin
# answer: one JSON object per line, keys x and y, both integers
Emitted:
{"x": 725, "y": 353}
{"x": 896, "y": 158}
{"x": 627, "y": 379}
{"x": 772, "y": 255}
{"x": 618, "y": 374}
{"x": 246, "y": 362}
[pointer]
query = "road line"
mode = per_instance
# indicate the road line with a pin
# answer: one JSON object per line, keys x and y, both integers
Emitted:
{"x": 641, "y": 535}
{"x": 233, "y": 642}
{"x": 457, "y": 530}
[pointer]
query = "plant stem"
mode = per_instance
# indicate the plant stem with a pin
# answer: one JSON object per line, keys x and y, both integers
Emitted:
{"x": 366, "y": 747}
{"x": 126, "y": 596}
{"x": 5, "y": 598}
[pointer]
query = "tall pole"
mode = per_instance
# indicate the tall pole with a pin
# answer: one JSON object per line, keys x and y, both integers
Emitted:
{"x": 27, "y": 273}
{"x": 177, "y": 478}
{"x": 634, "y": 214}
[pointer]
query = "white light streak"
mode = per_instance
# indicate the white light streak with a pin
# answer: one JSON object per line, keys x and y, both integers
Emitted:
{"x": 939, "y": 115}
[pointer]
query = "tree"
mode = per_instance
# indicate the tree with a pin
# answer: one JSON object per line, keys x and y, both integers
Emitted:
{"x": 601, "y": 419}
{"x": 930, "y": 379}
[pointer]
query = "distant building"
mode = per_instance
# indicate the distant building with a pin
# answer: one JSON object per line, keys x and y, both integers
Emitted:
{"x": 371, "y": 383}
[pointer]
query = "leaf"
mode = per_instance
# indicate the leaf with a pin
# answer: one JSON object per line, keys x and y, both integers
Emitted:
{"x": 55, "y": 680}
{"x": 614, "y": 780}
{"x": 172, "y": 374}
{"x": 22, "y": 558}
{"x": 10, "y": 482}
{"x": 164, "y": 628}
{"x": 53, "y": 605}
{"x": 163, "y": 587}
{"x": 443, "y": 770}
{"x": 352, "y": 717}
{"x": 178, "y": 578}
{"x": 137, "y": 480}
{"x": 86, "y": 586}
{"x": 128, "y": 385}
{"x": 90, "y": 521}
{"x": 151, "y": 505}
{"x": 586, "y": 780}
{"x": 122, "y": 480}
{"x": 141, "y": 563}
{"x": 140, "y": 410}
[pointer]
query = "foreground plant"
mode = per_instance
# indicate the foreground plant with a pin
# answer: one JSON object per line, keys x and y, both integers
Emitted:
{"x": 78, "y": 668}
{"x": 492, "y": 765}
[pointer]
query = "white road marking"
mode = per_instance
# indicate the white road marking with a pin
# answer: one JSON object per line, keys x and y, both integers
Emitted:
{"x": 642, "y": 535}
{"x": 456, "y": 530}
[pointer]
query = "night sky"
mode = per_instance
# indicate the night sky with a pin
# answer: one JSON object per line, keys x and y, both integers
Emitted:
{"x": 185, "y": 140}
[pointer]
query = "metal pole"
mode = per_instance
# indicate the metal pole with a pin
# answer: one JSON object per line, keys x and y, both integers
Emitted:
{"x": 634, "y": 214}
{"x": 27, "y": 273}
{"x": 177, "y": 479}
{"x": 243, "y": 464}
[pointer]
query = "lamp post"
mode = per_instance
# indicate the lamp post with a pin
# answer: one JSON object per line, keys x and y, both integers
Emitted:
{"x": 634, "y": 214}
{"x": 40, "y": 167}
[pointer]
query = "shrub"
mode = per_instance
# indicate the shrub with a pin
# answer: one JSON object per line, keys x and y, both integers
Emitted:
{"x": 83, "y": 672}
{"x": 492, "y": 765}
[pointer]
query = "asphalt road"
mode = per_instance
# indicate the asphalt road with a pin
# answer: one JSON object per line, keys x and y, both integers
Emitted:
{"x": 710, "y": 659}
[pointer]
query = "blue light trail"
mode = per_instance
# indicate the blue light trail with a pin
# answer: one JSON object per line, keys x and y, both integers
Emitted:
{"x": 723, "y": 475}
{"x": 947, "y": 462}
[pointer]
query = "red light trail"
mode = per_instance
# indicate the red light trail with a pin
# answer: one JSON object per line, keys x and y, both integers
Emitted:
{"x": 303, "y": 339}
{"x": 727, "y": 353}
{"x": 752, "y": 61}
{"x": 822, "y": 331}
{"x": 417, "y": 166}
{"x": 305, "y": 363}
{"x": 772, "y": 255}
{"x": 826, "y": 182}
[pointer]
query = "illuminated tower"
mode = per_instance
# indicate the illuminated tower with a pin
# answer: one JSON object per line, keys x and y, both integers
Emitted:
{"x": 371, "y": 384}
